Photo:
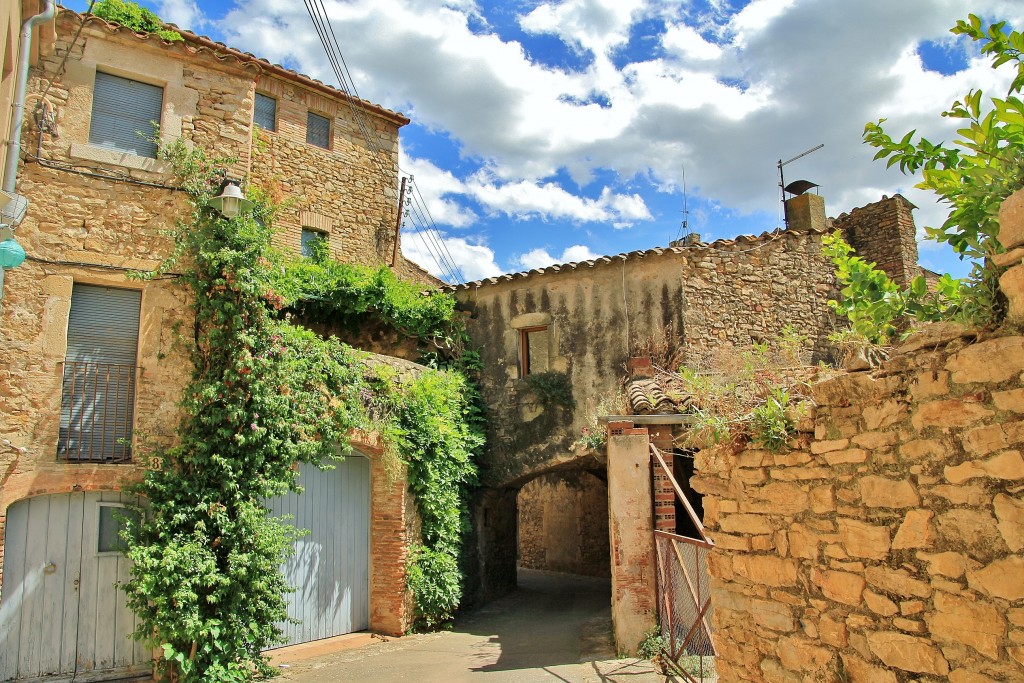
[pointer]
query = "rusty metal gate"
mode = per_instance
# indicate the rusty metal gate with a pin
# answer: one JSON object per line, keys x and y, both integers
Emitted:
{"x": 684, "y": 595}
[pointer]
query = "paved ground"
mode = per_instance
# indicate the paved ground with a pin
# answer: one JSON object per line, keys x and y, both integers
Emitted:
{"x": 554, "y": 628}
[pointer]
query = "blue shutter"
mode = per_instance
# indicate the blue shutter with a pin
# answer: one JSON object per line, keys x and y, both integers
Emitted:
{"x": 318, "y": 130}
{"x": 124, "y": 113}
{"x": 98, "y": 393}
{"x": 266, "y": 112}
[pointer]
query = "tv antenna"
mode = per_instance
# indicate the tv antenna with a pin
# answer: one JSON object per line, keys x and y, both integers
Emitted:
{"x": 797, "y": 186}
{"x": 684, "y": 227}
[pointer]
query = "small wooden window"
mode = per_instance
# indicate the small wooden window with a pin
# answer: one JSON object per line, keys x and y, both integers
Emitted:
{"x": 112, "y": 520}
{"x": 533, "y": 350}
{"x": 265, "y": 115}
{"x": 318, "y": 130}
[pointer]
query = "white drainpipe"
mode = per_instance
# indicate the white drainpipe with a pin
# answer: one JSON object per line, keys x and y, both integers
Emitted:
{"x": 20, "y": 85}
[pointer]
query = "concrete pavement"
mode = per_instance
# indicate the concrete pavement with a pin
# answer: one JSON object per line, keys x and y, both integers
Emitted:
{"x": 555, "y": 627}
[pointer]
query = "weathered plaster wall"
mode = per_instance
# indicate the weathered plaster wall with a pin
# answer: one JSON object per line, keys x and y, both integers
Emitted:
{"x": 889, "y": 546}
{"x": 600, "y": 313}
{"x": 631, "y": 534}
{"x": 563, "y": 523}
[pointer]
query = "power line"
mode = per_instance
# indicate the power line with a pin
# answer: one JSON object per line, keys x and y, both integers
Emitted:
{"x": 425, "y": 224}
{"x": 418, "y": 200}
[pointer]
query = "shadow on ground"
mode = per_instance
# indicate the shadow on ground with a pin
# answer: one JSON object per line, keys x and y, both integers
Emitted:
{"x": 555, "y": 627}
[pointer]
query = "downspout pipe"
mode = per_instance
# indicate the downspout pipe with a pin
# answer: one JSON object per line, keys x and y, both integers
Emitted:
{"x": 20, "y": 86}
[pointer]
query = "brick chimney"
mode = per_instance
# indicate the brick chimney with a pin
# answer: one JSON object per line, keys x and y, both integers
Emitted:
{"x": 883, "y": 233}
{"x": 806, "y": 212}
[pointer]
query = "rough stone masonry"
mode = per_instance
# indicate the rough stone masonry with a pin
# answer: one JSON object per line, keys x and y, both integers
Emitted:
{"x": 888, "y": 545}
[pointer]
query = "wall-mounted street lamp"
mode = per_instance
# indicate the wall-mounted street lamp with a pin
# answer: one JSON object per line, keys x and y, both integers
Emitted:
{"x": 231, "y": 203}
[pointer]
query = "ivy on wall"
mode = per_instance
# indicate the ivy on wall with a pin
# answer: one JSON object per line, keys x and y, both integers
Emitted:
{"x": 264, "y": 394}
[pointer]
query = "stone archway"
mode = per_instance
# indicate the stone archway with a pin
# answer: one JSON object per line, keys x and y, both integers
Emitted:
{"x": 496, "y": 516}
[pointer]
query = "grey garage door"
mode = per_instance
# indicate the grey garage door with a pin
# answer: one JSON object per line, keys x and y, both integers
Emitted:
{"x": 331, "y": 565}
{"x": 61, "y": 616}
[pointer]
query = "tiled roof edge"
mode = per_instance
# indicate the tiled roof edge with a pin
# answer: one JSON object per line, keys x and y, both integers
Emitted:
{"x": 723, "y": 244}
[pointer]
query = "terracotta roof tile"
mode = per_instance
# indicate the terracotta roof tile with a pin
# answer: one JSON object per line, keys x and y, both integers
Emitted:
{"x": 722, "y": 244}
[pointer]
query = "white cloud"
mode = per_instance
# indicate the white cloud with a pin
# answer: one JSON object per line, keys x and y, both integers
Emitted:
{"x": 596, "y": 25}
{"x": 473, "y": 258}
{"x": 185, "y": 13}
{"x": 541, "y": 258}
{"x": 578, "y": 252}
{"x": 779, "y": 77}
{"x": 683, "y": 41}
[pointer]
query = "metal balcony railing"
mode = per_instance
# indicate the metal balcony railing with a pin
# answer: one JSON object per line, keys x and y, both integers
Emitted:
{"x": 96, "y": 412}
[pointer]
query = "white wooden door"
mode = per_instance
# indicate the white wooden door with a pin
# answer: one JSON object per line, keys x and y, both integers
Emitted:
{"x": 331, "y": 565}
{"x": 61, "y": 615}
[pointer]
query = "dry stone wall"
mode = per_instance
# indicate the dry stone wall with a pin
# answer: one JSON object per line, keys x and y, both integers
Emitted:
{"x": 889, "y": 544}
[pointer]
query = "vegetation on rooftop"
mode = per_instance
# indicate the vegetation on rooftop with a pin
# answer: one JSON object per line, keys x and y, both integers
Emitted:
{"x": 133, "y": 16}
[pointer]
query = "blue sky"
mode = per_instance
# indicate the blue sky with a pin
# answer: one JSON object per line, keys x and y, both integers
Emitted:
{"x": 546, "y": 132}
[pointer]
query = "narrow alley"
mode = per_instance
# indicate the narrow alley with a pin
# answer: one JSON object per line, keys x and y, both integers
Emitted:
{"x": 554, "y": 627}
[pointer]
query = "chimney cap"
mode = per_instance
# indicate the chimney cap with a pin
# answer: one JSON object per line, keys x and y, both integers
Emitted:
{"x": 798, "y": 187}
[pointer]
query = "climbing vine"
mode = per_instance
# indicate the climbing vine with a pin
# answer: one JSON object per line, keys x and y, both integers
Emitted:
{"x": 264, "y": 394}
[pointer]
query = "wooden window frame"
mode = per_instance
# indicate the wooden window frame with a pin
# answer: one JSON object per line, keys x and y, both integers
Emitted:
{"x": 524, "y": 347}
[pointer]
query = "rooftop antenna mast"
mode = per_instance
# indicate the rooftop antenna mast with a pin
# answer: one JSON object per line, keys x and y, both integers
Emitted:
{"x": 684, "y": 228}
{"x": 799, "y": 186}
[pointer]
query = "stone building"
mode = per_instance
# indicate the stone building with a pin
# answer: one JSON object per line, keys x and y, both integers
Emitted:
{"x": 556, "y": 344}
{"x": 92, "y": 364}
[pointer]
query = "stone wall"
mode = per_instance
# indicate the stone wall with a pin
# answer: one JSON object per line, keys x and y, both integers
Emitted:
{"x": 563, "y": 524}
{"x": 883, "y": 233}
{"x": 887, "y": 545}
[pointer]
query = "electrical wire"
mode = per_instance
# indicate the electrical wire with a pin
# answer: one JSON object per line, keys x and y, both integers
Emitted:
{"x": 433, "y": 242}
{"x": 102, "y": 266}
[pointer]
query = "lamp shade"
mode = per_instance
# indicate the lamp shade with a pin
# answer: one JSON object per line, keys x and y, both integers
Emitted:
{"x": 11, "y": 254}
{"x": 231, "y": 202}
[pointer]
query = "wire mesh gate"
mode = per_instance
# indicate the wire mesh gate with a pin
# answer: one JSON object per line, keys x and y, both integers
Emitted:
{"x": 684, "y": 595}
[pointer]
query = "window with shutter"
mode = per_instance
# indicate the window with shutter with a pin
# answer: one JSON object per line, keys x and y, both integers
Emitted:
{"x": 124, "y": 115}
{"x": 318, "y": 130}
{"x": 98, "y": 396}
{"x": 266, "y": 112}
